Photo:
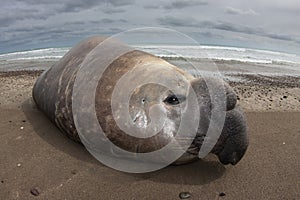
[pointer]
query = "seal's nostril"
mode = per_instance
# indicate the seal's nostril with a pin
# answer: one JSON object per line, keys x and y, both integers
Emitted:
{"x": 233, "y": 158}
{"x": 134, "y": 120}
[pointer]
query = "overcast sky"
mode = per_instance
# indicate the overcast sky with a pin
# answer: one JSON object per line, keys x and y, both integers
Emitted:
{"x": 263, "y": 24}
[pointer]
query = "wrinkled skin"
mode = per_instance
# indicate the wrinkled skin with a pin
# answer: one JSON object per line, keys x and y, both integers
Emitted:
{"x": 233, "y": 141}
{"x": 53, "y": 95}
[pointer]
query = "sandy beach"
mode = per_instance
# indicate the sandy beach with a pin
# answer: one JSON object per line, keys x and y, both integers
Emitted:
{"x": 38, "y": 162}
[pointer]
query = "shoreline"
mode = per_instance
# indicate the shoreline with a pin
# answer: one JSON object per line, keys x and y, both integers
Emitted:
{"x": 225, "y": 67}
{"x": 255, "y": 93}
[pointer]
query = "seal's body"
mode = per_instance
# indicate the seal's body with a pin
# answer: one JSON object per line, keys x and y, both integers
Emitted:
{"x": 54, "y": 88}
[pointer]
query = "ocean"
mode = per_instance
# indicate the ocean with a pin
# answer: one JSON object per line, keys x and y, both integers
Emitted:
{"x": 229, "y": 60}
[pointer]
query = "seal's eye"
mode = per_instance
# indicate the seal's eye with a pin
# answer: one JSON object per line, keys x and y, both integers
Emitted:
{"x": 173, "y": 99}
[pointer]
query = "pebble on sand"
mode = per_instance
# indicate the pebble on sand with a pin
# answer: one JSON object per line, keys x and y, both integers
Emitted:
{"x": 34, "y": 192}
{"x": 222, "y": 194}
{"x": 19, "y": 165}
{"x": 21, "y": 127}
{"x": 184, "y": 195}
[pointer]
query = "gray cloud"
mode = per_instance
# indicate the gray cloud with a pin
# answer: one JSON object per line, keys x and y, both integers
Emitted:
{"x": 109, "y": 10}
{"x": 42, "y": 36}
{"x": 66, "y": 29}
{"x": 178, "y": 4}
{"x": 121, "y": 2}
{"x": 75, "y": 23}
{"x": 116, "y": 30}
{"x": 207, "y": 34}
{"x": 20, "y": 10}
{"x": 77, "y": 5}
{"x": 152, "y": 6}
{"x": 107, "y": 20}
{"x": 38, "y": 23}
{"x": 10, "y": 16}
{"x": 173, "y": 21}
{"x": 281, "y": 37}
{"x": 236, "y": 11}
{"x": 224, "y": 26}
{"x": 39, "y": 2}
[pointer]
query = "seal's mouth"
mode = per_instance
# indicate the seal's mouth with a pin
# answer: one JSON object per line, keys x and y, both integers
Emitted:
{"x": 233, "y": 142}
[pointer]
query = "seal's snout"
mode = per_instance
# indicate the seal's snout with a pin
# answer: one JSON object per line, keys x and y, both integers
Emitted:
{"x": 233, "y": 141}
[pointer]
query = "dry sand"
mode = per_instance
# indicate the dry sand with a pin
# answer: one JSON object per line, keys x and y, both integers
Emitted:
{"x": 36, "y": 158}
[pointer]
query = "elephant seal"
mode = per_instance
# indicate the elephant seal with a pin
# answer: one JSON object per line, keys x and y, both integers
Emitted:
{"x": 53, "y": 92}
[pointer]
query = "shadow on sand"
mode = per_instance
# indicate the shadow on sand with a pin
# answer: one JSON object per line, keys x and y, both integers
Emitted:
{"x": 197, "y": 173}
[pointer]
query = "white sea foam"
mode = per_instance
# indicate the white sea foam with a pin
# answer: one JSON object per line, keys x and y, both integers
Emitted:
{"x": 39, "y": 54}
{"x": 222, "y": 53}
{"x": 266, "y": 59}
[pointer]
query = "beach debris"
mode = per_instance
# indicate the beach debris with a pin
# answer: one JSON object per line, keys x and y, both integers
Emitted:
{"x": 184, "y": 195}
{"x": 222, "y": 194}
{"x": 19, "y": 137}
{"x": 34, "y": 192}
{"x": 21, "y": 127}
{"x": 19, "y": 165}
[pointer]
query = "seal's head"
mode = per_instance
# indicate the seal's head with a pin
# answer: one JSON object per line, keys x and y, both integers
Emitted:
{"x": 144, "y": 103}
{"x": 157, "y": 109}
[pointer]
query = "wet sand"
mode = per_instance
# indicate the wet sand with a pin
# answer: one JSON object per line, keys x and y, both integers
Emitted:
{"x": 36, "y": 159}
